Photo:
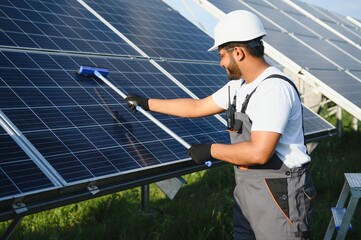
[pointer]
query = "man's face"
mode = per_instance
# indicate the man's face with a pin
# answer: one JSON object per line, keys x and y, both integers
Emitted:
{"x": 227, "y": 61}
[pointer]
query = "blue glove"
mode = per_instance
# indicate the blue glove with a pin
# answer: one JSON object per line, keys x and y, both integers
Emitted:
{"x": 200, "y": 153}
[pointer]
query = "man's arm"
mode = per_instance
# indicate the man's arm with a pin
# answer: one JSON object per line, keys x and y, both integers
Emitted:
{"x": 257, "y": 151}
{"x": 181, "y": 107}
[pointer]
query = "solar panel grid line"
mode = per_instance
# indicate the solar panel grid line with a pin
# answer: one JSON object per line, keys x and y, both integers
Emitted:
{"x": 148, "y": 115}
{"x": 47, "y": 69}
{"x": 29, "y": 149}
{"x": 141, "y": 31}
{"x": 190, "y": 93}
{"x": 339, "y": 21}
{"x": 297, "y": 38}
{"x": 312, "y": 122}
{"x": 36, "y": 27}
{"x": 308, "y": 24}
{"x": 350, "y": 53}
{"x": 294, "y": 5}
{"x": 289, "y": 15}
{"x": 321, "y": 48}
{"x": 357, "y": 60}
{"x": 113, "y": 116}
{"x": 32, "y": 153}
{"x": 353, "y": 33}
{"x": 76, "y": 22}
{"x": 330, "y": 93}
{"x": 160, "y": 117}
{"x": 142, "y": 53}
{"x": 154, "y": 21}
{"x": 176, "y": 70}
{"x": 53, "y": 101}
{"x": 111, "y": 27}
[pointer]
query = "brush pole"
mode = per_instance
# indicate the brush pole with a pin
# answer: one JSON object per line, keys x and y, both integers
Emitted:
{"x": 148, "y": 115}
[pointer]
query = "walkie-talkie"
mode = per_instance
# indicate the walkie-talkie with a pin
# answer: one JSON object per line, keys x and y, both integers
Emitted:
{"x": 230, "y": 112}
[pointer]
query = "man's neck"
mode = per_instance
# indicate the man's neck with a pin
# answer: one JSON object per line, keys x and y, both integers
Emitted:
{"x": 254, "y": 69}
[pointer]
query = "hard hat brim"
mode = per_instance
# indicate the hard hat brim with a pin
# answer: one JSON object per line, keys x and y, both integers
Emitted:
{"x": 213, "y": 48}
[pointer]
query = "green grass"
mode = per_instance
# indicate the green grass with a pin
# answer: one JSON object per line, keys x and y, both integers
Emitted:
{"x": 201, "y": 209}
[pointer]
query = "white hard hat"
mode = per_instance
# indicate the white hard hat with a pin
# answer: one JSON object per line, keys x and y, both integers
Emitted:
{"x": 237, "y": 26}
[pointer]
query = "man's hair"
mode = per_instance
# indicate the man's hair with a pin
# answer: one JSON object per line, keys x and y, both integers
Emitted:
{"x": 254, "y": 47}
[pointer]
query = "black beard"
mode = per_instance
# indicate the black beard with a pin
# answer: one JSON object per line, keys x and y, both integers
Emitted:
{"x": 233, "y": 72}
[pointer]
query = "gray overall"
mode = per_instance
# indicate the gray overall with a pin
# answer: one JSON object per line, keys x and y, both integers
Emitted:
{"x": 271, "y": 201}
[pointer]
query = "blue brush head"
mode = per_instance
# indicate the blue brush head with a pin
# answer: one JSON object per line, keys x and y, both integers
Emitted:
{"x": 89, "y": 71}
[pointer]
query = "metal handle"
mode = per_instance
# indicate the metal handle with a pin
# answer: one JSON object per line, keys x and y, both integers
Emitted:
{"x": 148, "y": 115}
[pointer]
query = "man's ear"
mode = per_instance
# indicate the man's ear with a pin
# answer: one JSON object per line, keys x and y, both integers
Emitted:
{"x": 239, "y": 53}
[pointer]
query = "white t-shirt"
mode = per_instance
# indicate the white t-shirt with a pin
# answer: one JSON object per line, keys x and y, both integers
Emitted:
{"x": 274, "y": 107}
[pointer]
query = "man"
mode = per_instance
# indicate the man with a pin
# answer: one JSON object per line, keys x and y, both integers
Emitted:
{"x": 274, "y": 194}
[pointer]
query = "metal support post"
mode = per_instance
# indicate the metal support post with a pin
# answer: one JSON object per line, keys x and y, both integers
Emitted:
{"x": 145, "y": 198}
{"x": 339, "y": 120}
{"x": 355, "y": 124}
{"x": 11, "y": 228}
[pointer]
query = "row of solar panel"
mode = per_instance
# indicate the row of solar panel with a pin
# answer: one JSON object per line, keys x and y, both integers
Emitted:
{"x": 313, "y": 47}
{"x": 68, "y": 26}
{"x": 80, "y": 129}
{"x": 85, "y": 131}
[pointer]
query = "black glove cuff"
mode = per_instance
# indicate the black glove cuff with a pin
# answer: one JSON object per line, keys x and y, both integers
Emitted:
{"x": 200, "y": 153}
{"x": 144, "y": 103}
{"x": 135, "y": 100}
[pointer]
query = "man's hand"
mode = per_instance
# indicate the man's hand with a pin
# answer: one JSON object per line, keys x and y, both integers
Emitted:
{"x": 200, "y": 153}
{"x": 135, "y": 100}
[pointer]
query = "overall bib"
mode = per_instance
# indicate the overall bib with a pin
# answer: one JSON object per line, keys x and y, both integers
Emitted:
{"x": 271, "y": 201}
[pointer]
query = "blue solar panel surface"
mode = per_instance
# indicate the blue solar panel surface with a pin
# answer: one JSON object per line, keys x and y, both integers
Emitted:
{"x": 18, "y": 173}
{"x": 156, "y": 29}
{"x": 339, "y": 24}
{"x": 57, "y": 25}
{"x": 81, "y": 127}
{"x": 201, "y": 78}
{"x": 313, "y": 124}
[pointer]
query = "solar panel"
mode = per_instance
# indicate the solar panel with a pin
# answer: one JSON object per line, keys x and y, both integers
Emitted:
{"x": 316, "y": 127}
{"x": 19, "y": 175}
{"x": 79, "y": 125}
{"x": 340, "y": 25}
{"x": 156, "y": 29}
{"x": 57, "y": 25}
{"x": 201, "y": 78}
